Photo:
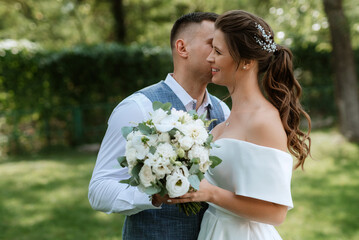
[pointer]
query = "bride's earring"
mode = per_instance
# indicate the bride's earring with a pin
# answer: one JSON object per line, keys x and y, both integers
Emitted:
{"x": 244, "y": 67}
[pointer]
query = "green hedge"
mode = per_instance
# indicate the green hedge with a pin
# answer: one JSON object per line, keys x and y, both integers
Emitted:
{"x": 51, "y": 94}
{"x": 50, "y": 97}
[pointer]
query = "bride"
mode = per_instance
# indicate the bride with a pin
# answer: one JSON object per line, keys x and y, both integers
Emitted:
{"x": 249, "y": 191}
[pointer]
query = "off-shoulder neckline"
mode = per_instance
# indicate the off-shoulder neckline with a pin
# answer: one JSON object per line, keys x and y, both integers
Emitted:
{"x": 253, "y": 144}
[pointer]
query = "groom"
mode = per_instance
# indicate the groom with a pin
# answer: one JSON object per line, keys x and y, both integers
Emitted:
{"x": 191, "y": 43}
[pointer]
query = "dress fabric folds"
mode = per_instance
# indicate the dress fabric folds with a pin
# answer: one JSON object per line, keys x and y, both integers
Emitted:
{"x": 249, "y": 170}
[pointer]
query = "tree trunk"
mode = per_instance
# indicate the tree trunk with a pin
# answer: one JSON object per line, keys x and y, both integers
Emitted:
{"x": 346, "y": 84}
{"x": 119, "y": 16}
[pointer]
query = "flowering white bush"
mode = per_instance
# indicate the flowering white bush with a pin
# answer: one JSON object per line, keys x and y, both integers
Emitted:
{"x": 169, "y": 153}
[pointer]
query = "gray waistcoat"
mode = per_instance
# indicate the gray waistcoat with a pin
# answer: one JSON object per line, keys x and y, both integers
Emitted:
{"x": 167, "y": 223}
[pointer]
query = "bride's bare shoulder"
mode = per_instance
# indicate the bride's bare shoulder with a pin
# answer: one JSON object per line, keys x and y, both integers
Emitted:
{"x": 266, "y": 129}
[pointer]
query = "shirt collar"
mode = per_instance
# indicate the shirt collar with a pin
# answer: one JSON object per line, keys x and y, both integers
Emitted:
{"x": 185, "y": 98}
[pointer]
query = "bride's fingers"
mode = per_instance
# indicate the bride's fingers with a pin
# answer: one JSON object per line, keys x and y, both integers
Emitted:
{"x": 188, "y": 197}
{"x": 178, "y": 200}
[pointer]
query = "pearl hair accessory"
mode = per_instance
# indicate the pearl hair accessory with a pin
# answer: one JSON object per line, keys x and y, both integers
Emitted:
{"x": 268, "y": 45}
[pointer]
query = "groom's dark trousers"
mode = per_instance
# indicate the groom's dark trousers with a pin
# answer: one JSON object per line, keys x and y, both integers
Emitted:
{"x": 162, "y": 224}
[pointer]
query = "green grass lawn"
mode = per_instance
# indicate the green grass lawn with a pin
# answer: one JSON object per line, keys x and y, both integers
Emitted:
{"x": 45, "y": 197}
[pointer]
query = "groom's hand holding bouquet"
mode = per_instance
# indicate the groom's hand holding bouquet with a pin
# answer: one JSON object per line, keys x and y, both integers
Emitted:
{"x": 169, "y": 153}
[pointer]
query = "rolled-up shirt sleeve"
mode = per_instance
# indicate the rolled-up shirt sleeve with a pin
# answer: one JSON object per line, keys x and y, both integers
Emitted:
{"x": 106, "y": 194}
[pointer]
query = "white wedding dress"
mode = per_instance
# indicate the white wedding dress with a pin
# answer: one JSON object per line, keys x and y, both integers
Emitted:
{"x": 249, "y": 170}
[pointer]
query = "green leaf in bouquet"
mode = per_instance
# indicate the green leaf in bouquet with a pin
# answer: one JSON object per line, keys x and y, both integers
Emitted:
{"x": 136, "y": 171}
{"x": 122, "y": 161}
{"x": 194, "y": 181}
{"x": 162, "y": 185}
{"x": 152, "y": 190}
{"x": 209, "y": 139}
{"x": 153, "y": 149}
{"x": 167, "y": 107}
{"x": 200, "y": 175}
{"x": 125, "y": 131}
{"x": 203, "y": 116}
{"x": 195, "y": 160}
{"x": 156, "y": 105}
{"x": 146, "y": 130}
{"x": 173, "y": 132}
{"x": 163, "y": 192}
{"x": 215, "y": 161}
{"x": 192, "y": 113}
{"x": 194, "y": 169}
{"x": 131, "y": 181}
{"x": 153, "y": 130}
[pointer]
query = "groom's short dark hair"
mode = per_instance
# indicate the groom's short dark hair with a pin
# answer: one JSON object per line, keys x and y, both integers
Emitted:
{"x": 185, "y": 20}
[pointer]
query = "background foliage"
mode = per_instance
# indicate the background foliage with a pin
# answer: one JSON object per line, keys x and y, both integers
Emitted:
{"x": 61, "y": 71}
{"x": 64, "y": 23}
{"x": 64, "y": 97}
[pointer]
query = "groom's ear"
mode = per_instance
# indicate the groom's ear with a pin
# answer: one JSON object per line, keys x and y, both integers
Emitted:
{"x": 181, "y": 49}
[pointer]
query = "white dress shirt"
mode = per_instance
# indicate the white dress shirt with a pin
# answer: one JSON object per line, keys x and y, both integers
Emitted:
{"x": 105, "y": 192}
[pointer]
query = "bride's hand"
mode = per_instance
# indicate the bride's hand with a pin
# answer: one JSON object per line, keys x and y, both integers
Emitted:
{"x": 204, "y": 194}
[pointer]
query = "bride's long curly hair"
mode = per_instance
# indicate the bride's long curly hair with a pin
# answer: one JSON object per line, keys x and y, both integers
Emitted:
{"x": 246, "y": 40}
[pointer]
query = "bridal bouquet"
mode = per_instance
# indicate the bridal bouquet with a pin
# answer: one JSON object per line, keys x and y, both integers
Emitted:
{"x": 169, "y": 153}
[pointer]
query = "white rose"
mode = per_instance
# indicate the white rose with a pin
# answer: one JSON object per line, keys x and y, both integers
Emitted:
{"x": 141, "y": 148}
{"x": 131, "y": 158}
{"x": 151, "y": 160}
{"x": 137, "y": 138}
{"x": 203, "y": 167}
{"x": 161, "y": 168}
{"x": 167, "y": 123}
{"x": 199, "y": 152}
{"x": 177, "y": 185}
{"x": 146, "y": 176}
{"x": 164, "y": 137}
{"x": 196, "y": 131}
{"x": 158, "y": 115}
{"x": 166, "y": 150}
{"x": 128, "y": 145}
{"x": 181, "y": 170}
{"x": 152, "y": 140}
{"x": 130, "y": 136}
{"x": 178, "y": 136}
{"x": 186, "y": 142}
{"x": 199, "y": 122}
{"x": 142, "y": 152}
{"x": 203, "y": 154}
{"x": 178, "y": 113}
{"x": 183, "y": 116}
